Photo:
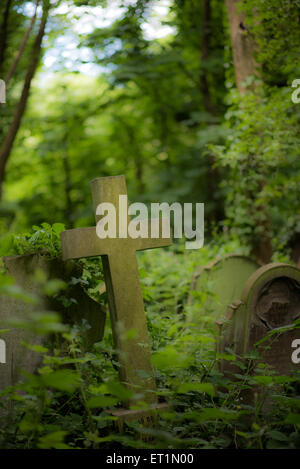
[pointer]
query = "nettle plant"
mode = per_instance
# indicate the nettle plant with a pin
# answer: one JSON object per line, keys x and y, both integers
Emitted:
{"x": 67, "y": 403}
{"x": 44, "y": 239}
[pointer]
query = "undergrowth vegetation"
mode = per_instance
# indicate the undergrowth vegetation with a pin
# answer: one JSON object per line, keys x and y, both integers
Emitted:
{"x": 68, "y": 402}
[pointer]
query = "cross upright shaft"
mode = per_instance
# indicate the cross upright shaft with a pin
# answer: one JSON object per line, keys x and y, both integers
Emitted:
{"x": 122, "y": 284}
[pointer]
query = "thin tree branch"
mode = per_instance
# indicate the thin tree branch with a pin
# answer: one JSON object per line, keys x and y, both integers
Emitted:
{"x": 3, "y": 33}
{"x": 22, "y": 46}
{"x": 20, "y": 109}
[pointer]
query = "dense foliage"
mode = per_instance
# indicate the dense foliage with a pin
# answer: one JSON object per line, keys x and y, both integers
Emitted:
{"x": 68, "y": 404}
{"x": 114, "y": 96}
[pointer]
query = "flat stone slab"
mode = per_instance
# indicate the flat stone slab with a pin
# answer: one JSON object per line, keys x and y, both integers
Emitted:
{"x": 16, "y": 356}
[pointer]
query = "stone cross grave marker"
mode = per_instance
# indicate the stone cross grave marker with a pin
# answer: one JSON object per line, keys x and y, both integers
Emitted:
{"x": 270, "y": 300}
{"x": 225, "y": 278}
{"x": 122, "y": 284}
{"x": 15, "y": 357}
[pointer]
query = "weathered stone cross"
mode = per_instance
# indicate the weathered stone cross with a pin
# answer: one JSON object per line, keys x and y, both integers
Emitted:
{"x": 122, "y": 284}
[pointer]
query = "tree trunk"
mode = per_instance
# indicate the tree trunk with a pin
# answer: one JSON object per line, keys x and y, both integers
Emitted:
{"x": 137, "y": 157}
{"x": 213, "y": 177}
{"x": 20, "y": 109}
{"x": 205, "y": 50}
{"x": 262, "y": 248}
{"x": 242, "y": 44}
{"x": 68, "y": 187}
{"x": 67, "y": 182}
{"x": 3, "y": 34}
{"x": 243, "y": 47}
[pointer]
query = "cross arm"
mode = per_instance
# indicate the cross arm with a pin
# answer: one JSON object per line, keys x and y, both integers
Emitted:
{"x": 82, "y": 242}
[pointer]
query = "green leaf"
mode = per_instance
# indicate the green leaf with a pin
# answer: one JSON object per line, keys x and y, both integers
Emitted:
{"x": 217, "y": 414}
{"x": 276, "y": 435}
{"x": 63, "y": 380}
{"x": 293, "y": 419}
{"x": 225, "y": 356}
{"x": 35, "y": 348}
{"x": 170, "y": 358}
{"x": 101, "y": 401}
{"x": 118, "y": 390}
{"x": 53, "y": 441}
{"x": 198, "y": 387}
{"x": 264, "y": 380}
{"x": 58, "y": 227}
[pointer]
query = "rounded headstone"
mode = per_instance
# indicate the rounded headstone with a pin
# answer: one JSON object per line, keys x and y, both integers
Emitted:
{"x": 225, "y": 279}
{"x": 270, "y": 301}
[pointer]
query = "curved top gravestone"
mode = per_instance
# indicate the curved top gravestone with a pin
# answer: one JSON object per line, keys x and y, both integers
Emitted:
{"x": 225, "y": 278}
{"x": 270, "y": 300}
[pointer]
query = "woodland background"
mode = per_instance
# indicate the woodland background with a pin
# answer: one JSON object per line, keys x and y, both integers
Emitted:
{"x": 171, "y": 113}
{"x": 192, "y": 101}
